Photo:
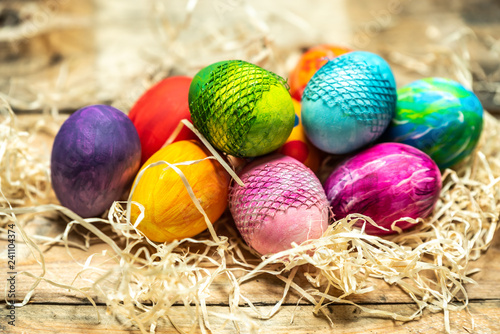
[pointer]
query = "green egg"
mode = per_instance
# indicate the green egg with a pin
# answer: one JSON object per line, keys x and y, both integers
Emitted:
{"x": 242, "y": 109}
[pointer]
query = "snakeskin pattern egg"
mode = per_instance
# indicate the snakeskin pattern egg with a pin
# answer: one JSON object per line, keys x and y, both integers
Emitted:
{"x": 282, "y": 202}
{"x": 438, "y": 116}
{"x": 349, "y": 102}
{"x": 309, "y": 63}
{"x": 242, "y": 109}
{"x": 386, "y": 182}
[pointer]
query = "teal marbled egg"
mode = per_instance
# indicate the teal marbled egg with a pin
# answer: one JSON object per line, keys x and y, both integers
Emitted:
{"x": 438, "y": 116}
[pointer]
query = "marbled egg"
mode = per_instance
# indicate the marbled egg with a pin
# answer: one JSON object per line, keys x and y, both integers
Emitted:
{"x": 157, "y": 113}
{"x": 438, "y": 116}
{"x": 169, "y": 210}
{"x": 282, "y": 202}
{"x": 95, "y": 156}
{"x": 298, "y": 146}
{"x": 309, "y": 63}
{"x": 386, "y": 182}
{"x": 349, "y": 102}
{"x": 242, "y": 109}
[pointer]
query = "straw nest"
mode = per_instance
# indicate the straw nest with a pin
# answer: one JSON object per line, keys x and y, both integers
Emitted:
{"x": 143, "y": 280}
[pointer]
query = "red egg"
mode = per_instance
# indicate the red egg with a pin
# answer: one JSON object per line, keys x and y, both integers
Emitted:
{"x": 158, "y": 112}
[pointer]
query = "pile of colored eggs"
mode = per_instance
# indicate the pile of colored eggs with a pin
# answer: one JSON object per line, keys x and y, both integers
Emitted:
{"x": 396, "y": 143}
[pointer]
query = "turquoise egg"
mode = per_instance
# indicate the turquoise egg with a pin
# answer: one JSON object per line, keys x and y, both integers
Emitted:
{"x": 438, "y": 116}
{"x": 349, "y": 102}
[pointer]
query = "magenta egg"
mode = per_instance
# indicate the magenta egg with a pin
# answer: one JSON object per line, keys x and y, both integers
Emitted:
{"x": 386, "y": 182}
{"x": 282, "y": 202}
{"x": 95, "y": 156}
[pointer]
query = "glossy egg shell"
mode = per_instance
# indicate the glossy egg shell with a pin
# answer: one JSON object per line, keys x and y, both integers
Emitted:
{"x": 282, "y": 202}
{"x": 349, "y": 102}
{"x": 386, "y": 182}
{"x": 438, "y": 116}
{"x": 309, "y": 63}
{"x": 157, "y": 113}
{"x": 95, "y": 156}
{"x": 169, "y": 211}
{"x": 242, "y": 109}
{"x": 298, "y": 146}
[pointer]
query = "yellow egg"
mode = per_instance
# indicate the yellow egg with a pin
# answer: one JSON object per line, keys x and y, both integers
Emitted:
{"x": 169, "y": 211}
{"x": 298, "y": 146}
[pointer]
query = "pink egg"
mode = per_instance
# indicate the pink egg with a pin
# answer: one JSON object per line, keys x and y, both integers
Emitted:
{"x": 282, "y": 202}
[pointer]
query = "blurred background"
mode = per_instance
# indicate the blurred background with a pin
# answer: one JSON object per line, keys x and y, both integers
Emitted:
{"x": 59, "y": 55}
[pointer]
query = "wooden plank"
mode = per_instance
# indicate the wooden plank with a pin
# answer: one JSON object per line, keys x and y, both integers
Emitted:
{"x": 63, "y": 268}
{"x": 69, "y": 319}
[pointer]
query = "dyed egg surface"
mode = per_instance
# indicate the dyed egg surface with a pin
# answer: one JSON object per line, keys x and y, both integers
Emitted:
{"x": 242, "y": 109}
{"x": 298, "y": 146}
{"x": 386, "y": 182}
{"x": 157, "y": 113}
{"x": 309, "y": 63}
{"x": 169, "y": 211}
{"x": 349, "y": 102}
{"x": 95, "y": 156}
{"x": 438, "y": 116}
{"x": 282, "y": 202}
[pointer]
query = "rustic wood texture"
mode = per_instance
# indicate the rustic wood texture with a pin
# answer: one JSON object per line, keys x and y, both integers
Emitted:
{"x": 104, "y": 63}
{"x": 69, "y": 319}
{"x": 55, "y": 310}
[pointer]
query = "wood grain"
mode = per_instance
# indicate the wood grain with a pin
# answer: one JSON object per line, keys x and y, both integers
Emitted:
{"x": 63, "y": 267}
{"x": 69, "y": 319}
{"x": 56, "y": 310}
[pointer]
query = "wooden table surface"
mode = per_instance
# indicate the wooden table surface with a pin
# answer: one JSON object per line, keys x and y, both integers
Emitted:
{"x": 58, "y": 310}
{"x": 54, "y": 309}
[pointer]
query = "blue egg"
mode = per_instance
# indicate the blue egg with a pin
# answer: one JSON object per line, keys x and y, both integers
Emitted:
{"x": 438, "y": 116}
{"x": 349, "y": 102}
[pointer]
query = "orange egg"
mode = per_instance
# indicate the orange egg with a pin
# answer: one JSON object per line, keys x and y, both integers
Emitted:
{"x": 169, "y": 210}
{"x": 298, "y": 146}
{"x": 309, "y": 63}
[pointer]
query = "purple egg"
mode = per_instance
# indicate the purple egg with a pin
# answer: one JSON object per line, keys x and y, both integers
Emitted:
{"x": 386, "y": 182}
{"x": 95, "y": 156}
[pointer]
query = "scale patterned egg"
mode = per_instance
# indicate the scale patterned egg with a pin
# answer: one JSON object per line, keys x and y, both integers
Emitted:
{"x": 298, "y": 146}
{"x": 169, "y": 211}
{"x": 309, "y": 63}
{"x": 438, "y": 116}
{"x": 282, "y": 202}
{"x": 242, "y": 109}
{"x": 349, "y": 102}
{"x": 95, "y": 157}
{"x": 157, "y": 113}
{"x": 386, "y": 182}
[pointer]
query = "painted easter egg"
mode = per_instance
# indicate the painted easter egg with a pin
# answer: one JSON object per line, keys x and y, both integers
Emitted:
{"x": 386, "y": 182}
{"x": 170, "y": 212}
{"x": 282, "y": 202}
{"x": 157, "y": 113}
{"x": 95, "y": 156}
{"x": 298, "y": 146}
{"x": 349, "y": 102}
{"x": 438, "y": 116}
{"x": 309, "y": 63}
{"x": 242, "y": 109}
